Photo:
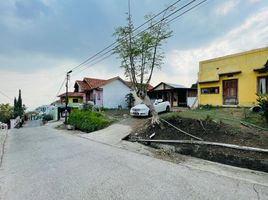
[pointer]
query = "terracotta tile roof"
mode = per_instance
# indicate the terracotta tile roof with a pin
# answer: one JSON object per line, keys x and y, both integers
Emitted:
{"x": 72, "y": 94}
{"x": 129, "y": 83}
{"x": 93, "y": 83}
{"x": 83, "y": 85}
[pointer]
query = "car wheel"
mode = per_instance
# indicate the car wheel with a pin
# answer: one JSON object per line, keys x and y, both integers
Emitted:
{"x": 167, "y": 109}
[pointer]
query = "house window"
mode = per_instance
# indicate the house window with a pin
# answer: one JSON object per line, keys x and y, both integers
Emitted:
{"x": 262, "y": 85}
{"x": 210, "y": 90}
{"x": 75, "y": 100}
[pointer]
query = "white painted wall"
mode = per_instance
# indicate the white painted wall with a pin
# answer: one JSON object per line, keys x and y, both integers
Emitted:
{"x": 191, "y": 102}
{"x": 114, "y": 94}
{"x": 14, "y": 122}
{"x": 137, "y": 99}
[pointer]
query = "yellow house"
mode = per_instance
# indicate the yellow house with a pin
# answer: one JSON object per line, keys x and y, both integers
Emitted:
{"x": 74, "y": 98}
{"x": 233, "y": 80}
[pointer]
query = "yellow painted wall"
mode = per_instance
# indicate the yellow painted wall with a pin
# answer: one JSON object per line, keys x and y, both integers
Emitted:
{"x": 70, "y": 99}
{"x": 245, "y": 62}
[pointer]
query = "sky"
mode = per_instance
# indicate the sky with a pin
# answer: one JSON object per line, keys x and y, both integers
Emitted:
{"x": 40, "y": 40}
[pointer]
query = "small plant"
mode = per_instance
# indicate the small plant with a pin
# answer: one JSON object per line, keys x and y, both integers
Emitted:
{"x": 208, "y": 118}
{"x": 206, "y": 107}
{"x": 47, "y": 117}
{"x": 171, "y": 116}
{"x": 87, "y": 106}
{"x": 130, "y": 100}
{"x": 262, "y": 100}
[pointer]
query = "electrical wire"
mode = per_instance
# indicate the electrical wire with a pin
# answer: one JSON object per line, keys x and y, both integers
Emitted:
{"x": 164, "y": 18}
{"x": 98, "y": 57}
{"x": 94, "y": 57}
{"x": 59, "y": 90}
{"x": 109, "y": 46}
{"x": 188, "y": 10}
{"x": 5, "y": 95}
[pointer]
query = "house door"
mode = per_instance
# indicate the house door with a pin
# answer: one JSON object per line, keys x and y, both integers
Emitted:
{"x": 99, "y": 98}
{"x": 230, "y": 92}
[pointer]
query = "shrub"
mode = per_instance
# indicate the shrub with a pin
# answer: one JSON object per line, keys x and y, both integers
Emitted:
{"x": 208, "y": 118}
{"x": 130, "y": 100}
{"x": 262, "y": 100}
{"x": 87, "y": 121}
{"x": 87, "y": 106}
{"x": 47, "y": 117}
{"x": 6, "y": 113}
{"x": 206, "y": 107}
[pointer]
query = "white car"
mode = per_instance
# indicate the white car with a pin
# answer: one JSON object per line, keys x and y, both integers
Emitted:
{"x": 143, "y": 110}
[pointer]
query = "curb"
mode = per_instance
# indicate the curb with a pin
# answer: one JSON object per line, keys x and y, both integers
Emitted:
{"x": 2, "y": 146}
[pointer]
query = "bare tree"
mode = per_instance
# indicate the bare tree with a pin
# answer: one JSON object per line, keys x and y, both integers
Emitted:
{"x": 141, "y": 53}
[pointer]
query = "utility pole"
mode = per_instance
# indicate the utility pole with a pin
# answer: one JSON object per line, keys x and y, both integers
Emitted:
{"x": 66, "y": 96}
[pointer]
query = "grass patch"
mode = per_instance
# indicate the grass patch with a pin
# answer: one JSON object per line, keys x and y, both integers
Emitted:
{"x": 231, "y": 116}
{"x": 88, "y": 121}
{"x": 115, "y": 114}
{"x": 256, "y": 119}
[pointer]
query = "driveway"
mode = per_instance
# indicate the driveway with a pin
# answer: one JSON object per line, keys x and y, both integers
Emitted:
{"x": 44, "y": 163}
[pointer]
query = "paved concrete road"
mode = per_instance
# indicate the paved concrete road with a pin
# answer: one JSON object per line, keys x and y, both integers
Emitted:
{"x": 33, "y": 123}
{"x": 46, "y": 164}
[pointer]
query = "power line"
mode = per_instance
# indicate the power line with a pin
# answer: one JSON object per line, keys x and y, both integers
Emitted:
{"x": 164, "y": 18}
{"x": 98, "y": 61}
{"x": 5, "y": 95}
{"x": 188, "y": 10}
{"x": 59, "y": 89}
{"x": 98, "y": 57}
{"x": 109, "y": 46}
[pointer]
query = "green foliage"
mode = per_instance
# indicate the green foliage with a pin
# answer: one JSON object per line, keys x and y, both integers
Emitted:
{"x": 173, "y": 116}
{"x": 47, "y": 117}
{"x": 208, "y": 118}
{"x": 18, "y": 107}
{"x": 206, "y": 107}
{"x": 262, "y": 100}
{"x": 87, "y": 121}
{"x": 130, "y": 100}
{"x": 87, "y": 106}
{"x": 141, "y": 53}
{"x": 6, "y": 113}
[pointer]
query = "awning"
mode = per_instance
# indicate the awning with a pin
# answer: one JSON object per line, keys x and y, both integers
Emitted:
{"x": 262, "y": 69}
{"x": 229, "y": 73}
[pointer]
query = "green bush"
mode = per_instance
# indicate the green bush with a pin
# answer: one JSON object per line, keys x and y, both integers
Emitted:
{"x": 129, "y": 98}
{"x": 206, "y": 107}
{"x": 47, "y": 117}
{"x": 262, "y": 100}
{"x": 87, "y": 106}
{"x": 87, "y": 121}
{"x": 6, "y": 113}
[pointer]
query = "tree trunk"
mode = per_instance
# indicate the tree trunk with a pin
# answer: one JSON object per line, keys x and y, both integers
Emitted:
{"x": 147, "y": 101}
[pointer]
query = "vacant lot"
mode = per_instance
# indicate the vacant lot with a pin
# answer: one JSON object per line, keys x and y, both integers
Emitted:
{"x": 214, "y": 125}
{"x": 232, "y": 116}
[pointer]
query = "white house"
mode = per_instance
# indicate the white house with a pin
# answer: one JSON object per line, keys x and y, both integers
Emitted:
{"x": 48, "y": 110}
{"x": 107, "y": 93}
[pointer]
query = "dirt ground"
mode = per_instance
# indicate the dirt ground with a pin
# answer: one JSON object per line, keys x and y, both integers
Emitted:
{"x": 212, "y": 131}
{"x": 208, "y": 130}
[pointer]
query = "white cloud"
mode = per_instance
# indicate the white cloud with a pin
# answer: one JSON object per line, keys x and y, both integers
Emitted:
{"x": 181, "y": 66}
{"x": 184, "y": 64}
{"x": 254, "y": 1}
{"x": 39, "y": 87}
{"x": 227, "y": 7}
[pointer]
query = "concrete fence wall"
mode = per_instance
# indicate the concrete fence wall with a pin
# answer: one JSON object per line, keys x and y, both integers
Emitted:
{"x": 3, "y": 126}
{"x": 14, "y": 122}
